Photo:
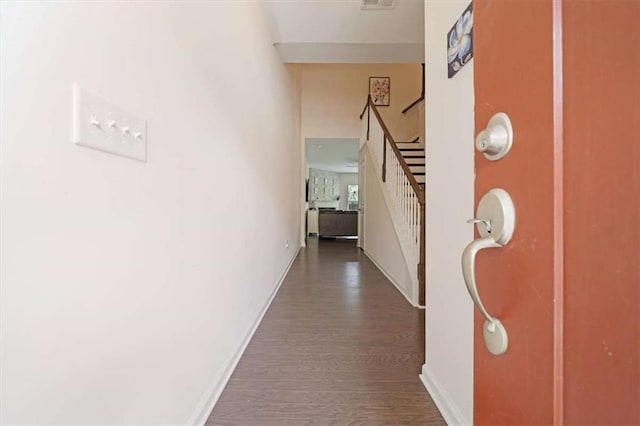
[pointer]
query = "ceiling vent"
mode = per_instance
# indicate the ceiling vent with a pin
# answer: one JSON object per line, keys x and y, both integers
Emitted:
{"x": 377, "y": 4}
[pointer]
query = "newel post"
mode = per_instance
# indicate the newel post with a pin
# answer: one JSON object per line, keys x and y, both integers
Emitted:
{"x": 423, "y": 255}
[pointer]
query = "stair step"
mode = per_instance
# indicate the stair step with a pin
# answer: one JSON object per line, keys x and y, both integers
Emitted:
{"x": 418, "y": 173}
{"x": 421, "y": 179}
{"x": 403, "y": 145}
{"x": 413, "y": 154}
{"x": 416, "y": 168}
{"x": 415, "y": 161}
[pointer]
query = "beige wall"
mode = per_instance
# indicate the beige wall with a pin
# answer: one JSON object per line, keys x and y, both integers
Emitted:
{"x": 333, "y": 96}
{"x": 129, "y": 288}
{"x": 448, "y": 371}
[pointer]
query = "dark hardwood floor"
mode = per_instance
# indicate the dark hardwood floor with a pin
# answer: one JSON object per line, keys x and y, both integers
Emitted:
{"x": 339, "y": 345}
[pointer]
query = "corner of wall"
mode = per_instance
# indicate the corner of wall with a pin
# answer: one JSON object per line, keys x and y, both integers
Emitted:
{"x": 448, "y": 408}
{"x": 208, "y": 402}
{"x": 449, "y": 120}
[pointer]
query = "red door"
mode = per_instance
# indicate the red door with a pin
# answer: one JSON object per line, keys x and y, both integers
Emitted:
{"x": 566, "y": 286}
{"x": 513, "y": 54}
{"x": 601, "y": 212}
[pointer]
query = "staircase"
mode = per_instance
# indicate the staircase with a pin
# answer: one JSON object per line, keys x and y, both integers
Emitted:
{"x": 400, "y": 167}
{"x": 413, "y": 153}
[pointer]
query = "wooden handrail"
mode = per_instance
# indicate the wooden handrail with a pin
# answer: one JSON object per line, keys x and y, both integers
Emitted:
{"x": 414, "y": 103}
{"x": 403, "y": 163}
{"x": 421, "y": 98}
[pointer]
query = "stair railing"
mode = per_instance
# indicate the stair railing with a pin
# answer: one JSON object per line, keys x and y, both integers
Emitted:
{"x": 421, "y": 98}
{"x": 407, "y": 196}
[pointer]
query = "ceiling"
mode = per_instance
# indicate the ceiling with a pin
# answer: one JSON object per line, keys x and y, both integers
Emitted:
{"x": 339, "y": 31}
{"x": 335, "y": 155}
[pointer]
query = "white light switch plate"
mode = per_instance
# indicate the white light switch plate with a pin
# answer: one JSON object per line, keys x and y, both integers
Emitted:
{"x": 101, "y": 125}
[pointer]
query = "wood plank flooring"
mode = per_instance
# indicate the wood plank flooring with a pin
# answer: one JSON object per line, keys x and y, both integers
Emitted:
{"x": 339, "y": 345}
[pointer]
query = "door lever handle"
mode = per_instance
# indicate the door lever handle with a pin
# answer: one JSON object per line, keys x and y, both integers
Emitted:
{"x": 485, "y": 222}
{"x": 496, "y": 206}
{"x": 495, "y": 335}
{"x": 469, "y": 273}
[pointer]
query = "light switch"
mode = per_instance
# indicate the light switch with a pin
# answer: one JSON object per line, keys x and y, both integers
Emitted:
{"x": 101, "y": 125}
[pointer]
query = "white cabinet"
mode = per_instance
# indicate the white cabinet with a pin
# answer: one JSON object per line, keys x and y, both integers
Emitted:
{"x": 312, "y": 222}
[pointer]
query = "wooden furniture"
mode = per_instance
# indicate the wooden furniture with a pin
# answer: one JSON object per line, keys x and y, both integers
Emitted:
{"x": 337, "y": 223}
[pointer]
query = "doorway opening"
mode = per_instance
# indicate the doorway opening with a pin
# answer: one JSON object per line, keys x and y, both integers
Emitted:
{"x": 332, "y": 185}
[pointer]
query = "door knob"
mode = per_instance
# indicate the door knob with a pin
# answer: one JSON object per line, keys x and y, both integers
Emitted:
{"x": 495, "y": 141}
{"x": 495, "y": 219}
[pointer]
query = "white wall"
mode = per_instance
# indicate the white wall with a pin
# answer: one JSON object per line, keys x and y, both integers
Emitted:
{"x": 449, "y": 137}
{"x": 333, "y": 96}
{"x": 128, "y": 287}
{"x": 346, "y": 179}
{"x": 381, "y": 241}
{"x": 341, "y": 32}
{"x": 345, "y": 23}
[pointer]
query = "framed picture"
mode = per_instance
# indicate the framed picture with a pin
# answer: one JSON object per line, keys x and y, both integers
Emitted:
{"x": 460, "y": 42}
{"x": 380, "y": 90}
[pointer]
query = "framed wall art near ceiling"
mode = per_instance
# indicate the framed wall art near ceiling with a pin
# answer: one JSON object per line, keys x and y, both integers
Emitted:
{"x": 380, "y": 90}
{"x": 460, "y": 42}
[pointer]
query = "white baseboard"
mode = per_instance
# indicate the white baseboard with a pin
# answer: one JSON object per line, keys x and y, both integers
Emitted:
{"x": 451, "y": 413}
{"x": 204, "y": 408}
{"x": 390, "y": 278}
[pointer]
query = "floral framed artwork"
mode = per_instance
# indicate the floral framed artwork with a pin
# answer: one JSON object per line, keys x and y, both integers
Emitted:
{"x": 460, "y": 42}
{"x": 380, "y": 90}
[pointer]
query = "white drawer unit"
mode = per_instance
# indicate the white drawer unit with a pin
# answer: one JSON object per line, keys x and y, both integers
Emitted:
{"x": 312, "y": 222}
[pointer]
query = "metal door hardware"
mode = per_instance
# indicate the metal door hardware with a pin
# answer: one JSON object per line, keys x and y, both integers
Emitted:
{"x": 495, "y": 220}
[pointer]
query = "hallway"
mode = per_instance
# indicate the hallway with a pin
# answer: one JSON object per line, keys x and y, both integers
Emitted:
{"x": 338, "y": 345}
